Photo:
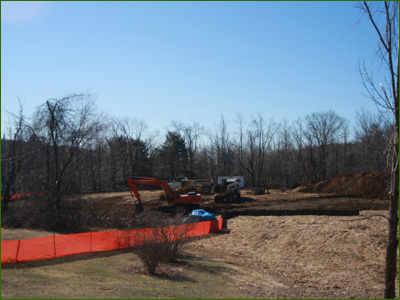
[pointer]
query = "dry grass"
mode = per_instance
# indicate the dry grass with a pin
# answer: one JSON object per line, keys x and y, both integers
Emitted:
{"x": 305, "y": 256}
{"x": 116, "y": 275}
{"x": 21, "y": 234}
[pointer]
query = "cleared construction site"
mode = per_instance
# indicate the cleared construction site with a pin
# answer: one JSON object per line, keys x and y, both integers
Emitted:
{"x": 323, "y": 240}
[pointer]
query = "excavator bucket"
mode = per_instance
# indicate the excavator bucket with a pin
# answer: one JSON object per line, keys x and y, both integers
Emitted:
{"x": 139, "y": 208}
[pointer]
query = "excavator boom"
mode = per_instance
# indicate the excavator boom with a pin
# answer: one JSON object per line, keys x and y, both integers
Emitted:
{"x": 173, "y": 197}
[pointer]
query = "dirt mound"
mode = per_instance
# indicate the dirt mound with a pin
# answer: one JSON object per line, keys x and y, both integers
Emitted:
{"x": 373, "y": 185}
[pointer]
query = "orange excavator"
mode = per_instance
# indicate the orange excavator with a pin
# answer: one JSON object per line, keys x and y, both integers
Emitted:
{"x": 173, "y": 196}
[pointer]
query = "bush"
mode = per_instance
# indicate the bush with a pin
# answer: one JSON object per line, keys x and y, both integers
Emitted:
{"x": 163, "y": 242}
{"x": 38, "y": 213}
{"x": 150, "y": 256}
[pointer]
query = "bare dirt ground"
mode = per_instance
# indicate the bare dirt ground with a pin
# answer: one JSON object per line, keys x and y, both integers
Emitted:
{"x": 273, "y": 200}
{"x": 366, "y": 191}
{"x": 304, "y": 256}
{"x": 296, "y": 256}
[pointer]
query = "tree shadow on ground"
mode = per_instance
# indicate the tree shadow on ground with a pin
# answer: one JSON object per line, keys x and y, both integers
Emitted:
{"x": 242, "y": 200}
{"x": 65, "y": 259}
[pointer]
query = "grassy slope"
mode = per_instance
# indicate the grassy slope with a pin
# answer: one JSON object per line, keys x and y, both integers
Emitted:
{"x": 114, "y": 276}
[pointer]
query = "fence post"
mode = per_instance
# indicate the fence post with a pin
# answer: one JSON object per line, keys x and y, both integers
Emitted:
{"x": 54, "y": 245}
{"x": 16, "y": 256}
{"x": 119, "y": 239}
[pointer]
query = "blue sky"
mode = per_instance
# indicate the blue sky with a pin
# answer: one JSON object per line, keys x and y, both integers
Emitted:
{"x": 187, "y": 61}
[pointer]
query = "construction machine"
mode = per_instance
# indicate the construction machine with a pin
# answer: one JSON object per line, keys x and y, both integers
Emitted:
{"x": 172, "y": 196}
{"x": 228, "y": 190}
{"x": 188, "y": 186}
{"x": 185, "y": 187}
{"x": 207, "y": 184}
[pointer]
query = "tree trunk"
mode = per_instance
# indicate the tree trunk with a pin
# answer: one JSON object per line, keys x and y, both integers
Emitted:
{"x": 391, "y": 250}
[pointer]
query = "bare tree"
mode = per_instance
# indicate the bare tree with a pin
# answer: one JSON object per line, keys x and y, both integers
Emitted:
{"x": 222, "y": 148}
{"x": 263, "y": 133}
{"x": 250, "y": 165}
{"x": 338, "y": 149}
{"x": 372, "y": 134}
{"x": 127, "y": 140}
{"x": 63, "y": 127}
{"x": 11, "y": 159}
{"x": 192, "y": 134}
{"x": 305, "y": 151}
{"x": 384, "y": 17}
{"x": 252, "y": 146}
{"x": 323, "y": 130}
{"x": 240, "y": 140}
{"x": 285, "y": 159}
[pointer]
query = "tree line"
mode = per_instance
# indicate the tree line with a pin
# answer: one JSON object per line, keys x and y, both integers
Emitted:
{"x": 68, "y": 147}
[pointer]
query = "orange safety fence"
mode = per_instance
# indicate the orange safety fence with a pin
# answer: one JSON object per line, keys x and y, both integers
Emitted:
{"x": 62, "y": 245}
{"x": 25, "y": 195}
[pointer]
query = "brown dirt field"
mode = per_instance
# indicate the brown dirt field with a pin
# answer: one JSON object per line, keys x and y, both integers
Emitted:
{"x": 274, "y": 200}
{"x": 304, "y": 256}
{"x": 364, "y": 191}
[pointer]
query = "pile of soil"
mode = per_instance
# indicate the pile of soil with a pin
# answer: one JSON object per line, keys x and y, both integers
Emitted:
{"x": 372, "y": 185}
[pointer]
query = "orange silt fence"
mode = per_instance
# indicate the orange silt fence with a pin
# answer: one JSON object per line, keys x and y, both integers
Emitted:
{"x": 71, "y": 244}
{"x": 62, "y": 245}
{"x": 35, "y": 249}
{"x": 9, "y": 251}
{"x": 105, "y": 240}
{"x": 25, "y": 195}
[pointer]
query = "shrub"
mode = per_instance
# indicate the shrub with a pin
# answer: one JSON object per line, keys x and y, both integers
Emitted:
{"x": 163, "y": 242}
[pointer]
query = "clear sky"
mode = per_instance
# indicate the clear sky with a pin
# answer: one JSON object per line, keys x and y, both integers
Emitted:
{"x": 187, "y": 61}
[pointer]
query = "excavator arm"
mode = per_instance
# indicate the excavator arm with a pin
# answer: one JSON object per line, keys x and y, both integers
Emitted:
{"x": 173, "y": 197}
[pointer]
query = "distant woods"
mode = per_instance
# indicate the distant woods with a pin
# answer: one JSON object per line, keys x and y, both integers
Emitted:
{"x": 68, "y": 146}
